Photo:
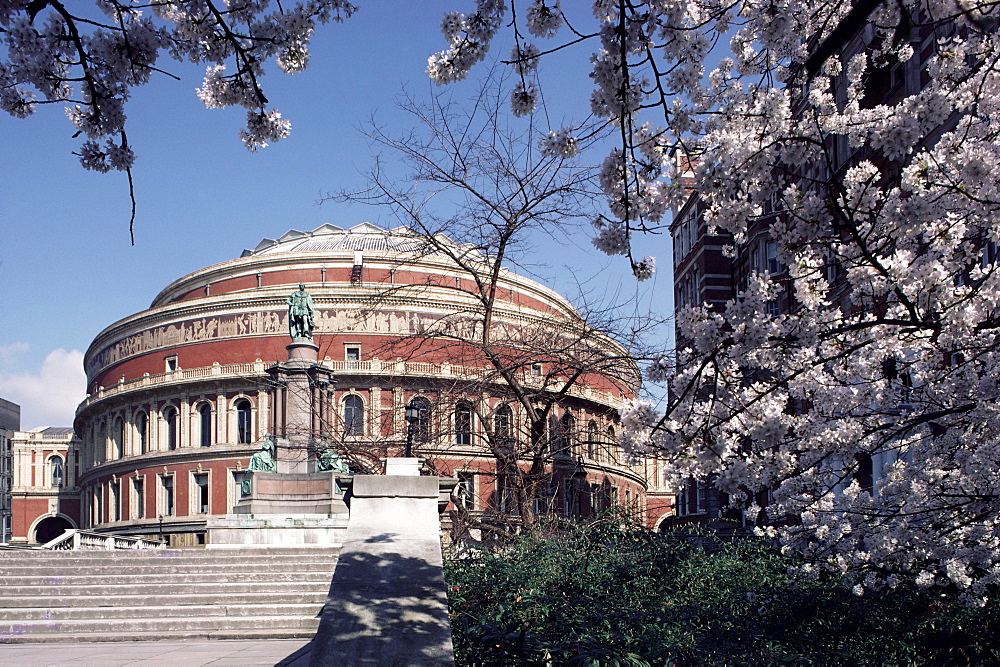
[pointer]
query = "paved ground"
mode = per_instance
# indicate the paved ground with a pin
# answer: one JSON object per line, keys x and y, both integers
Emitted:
{"x": 242, "y": 653}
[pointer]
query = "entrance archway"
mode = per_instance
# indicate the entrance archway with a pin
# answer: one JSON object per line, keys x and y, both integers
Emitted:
{"x": 50, "y": 528}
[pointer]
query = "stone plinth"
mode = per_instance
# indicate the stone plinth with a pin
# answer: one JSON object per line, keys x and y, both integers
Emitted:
{"x": 275, "y": 530}
{"x": 404, "y": 467}
{"x": 388, "y": 604}
{"x": 301, "y": 391}
{"x": 292, "y": 493}
{"x": 303, "y": 350}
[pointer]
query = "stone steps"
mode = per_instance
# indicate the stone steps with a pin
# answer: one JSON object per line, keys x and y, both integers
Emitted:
{"x": 105, "y": 601}
{"x": 195, "y": 593}
{"x": 16, "y": 615}
{"x": 55, "y": 579}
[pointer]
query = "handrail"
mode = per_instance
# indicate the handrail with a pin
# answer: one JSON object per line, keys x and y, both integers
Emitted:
{"x": 74, "y": 539}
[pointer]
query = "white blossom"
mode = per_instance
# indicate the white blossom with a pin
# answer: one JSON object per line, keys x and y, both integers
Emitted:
{"x": 263, "y": 128}
{"x": 559, "y": 144}
{"x": 876, "y": 345}
{"x": 544, "y": 18}
{"x": 524, "y": 98}
{"x": 92, "y": 55}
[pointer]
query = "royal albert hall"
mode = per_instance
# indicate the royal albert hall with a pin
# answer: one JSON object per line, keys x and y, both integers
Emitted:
{"x": 179, "y": 397}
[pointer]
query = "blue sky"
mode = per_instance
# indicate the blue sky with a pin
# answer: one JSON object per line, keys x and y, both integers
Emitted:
{"x": 67, "y": 269}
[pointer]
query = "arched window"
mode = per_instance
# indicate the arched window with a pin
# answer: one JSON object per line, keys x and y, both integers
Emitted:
{"x": 563, "y": 439}
{"x": 421, "y": 427}
{"x": 354, "y": 416}
{"x": 56, "y": 472}
{"x": 463, "y": 424}
{"x": 170, "y": 418}
{"x": 205, "y": 424}
{"x": 119, "y": 438}
{"x": 244, "y": 422}
{"x": 502, "y": 421}
{"x": 592, "y": 438}
{"x": 539, "y": 442}
{"x": 141, "y": 431}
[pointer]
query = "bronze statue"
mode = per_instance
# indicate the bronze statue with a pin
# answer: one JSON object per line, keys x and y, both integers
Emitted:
{"x": 329, "y": 461}
{"x": 300, "y": 314}
{"x": 263, "y": 460}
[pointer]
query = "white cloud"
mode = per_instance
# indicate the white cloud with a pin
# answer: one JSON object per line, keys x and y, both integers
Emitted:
{"x": 50, "y": 396}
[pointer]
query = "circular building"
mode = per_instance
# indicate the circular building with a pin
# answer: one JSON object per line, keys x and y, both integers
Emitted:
{"x": 508, "y": 389}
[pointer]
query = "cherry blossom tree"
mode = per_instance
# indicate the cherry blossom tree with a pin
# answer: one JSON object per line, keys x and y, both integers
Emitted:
{"x": 91, "y": 55}
{"x": 861, "y": 138}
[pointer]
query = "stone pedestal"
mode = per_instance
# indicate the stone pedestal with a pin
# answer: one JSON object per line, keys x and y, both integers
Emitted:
{"x": 276, "y": 530}
{"x": 295, "y": 505}
{"x": 292, "y": 493}
{"x": 405, "y": 467}
{"x": 388, "y": 604}
{"x": 300, "y": 401}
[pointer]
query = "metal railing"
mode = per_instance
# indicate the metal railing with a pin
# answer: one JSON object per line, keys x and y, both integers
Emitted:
{"x": 77, "y": 540}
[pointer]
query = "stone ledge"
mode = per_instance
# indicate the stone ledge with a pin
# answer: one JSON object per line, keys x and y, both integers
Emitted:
{"x": 394, "y": 486}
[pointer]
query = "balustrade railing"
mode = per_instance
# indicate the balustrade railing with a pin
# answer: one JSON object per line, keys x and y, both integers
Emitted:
{"x": 77, "y": 540}
{"x": 400, "y": 367}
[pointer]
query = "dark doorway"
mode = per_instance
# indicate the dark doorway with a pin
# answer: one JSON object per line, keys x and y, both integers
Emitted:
{"x": 51, "y": 528}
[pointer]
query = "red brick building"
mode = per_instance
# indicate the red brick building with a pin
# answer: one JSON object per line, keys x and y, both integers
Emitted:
{"x": 179, "y": 397}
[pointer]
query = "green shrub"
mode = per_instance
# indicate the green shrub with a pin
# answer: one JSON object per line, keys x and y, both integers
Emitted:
{"x": 611, "y": 593}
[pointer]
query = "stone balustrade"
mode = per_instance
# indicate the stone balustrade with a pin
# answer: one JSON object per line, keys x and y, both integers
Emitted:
{"x": 258, "y": 369}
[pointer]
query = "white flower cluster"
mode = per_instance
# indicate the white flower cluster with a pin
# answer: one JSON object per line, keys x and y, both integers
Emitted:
{"x": 560, "y": 144}
{"x": 524, "y": 98}
{"x": 92, "y": 55}
{"x": 868, "y": 404}
{"x": 644, "y": 268}
{"x": 264, "y": 127}
{"x": 469, "y": 36}
{"x": 612, "y": 237}
{"x": 544, "y": 18}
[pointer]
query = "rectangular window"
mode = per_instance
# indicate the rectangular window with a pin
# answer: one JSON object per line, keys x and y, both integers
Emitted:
{"x": 138, "y": 498}
{"x": 234, "y": 490}
{"x": 536, "y": 370}
{"x": 990, "y": 254}
{"x": 770, "y": 258}
{"x": 200, "y": 488}
{"x": 463, "y": 425}
{"x": 167, "y": 495}
{"x": 691, "y": 499}
{"x": 504, "y": 500}
{"x": 352, "y": 355}
{"x": 114, "y": 511}
{"x": 465, "y": 491}
{"x": 170, "y": 363}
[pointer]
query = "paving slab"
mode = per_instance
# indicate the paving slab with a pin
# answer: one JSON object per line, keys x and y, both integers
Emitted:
{"x": 193, "y": 653}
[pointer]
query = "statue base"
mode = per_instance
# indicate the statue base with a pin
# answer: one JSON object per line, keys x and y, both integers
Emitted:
{"x": 291, "y": 493}
{"x": 282, "y": 509}
{"x": 302, "y": 350}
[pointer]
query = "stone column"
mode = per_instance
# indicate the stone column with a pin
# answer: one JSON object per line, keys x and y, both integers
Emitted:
{"x": 220, "y": 418}
{"x": 184, "y": 422}
{"x": 294, "y": 386}
{"x": 375, "y": 411}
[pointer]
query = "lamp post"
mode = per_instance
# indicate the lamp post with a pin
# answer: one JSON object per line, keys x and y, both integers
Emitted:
{"x": 412, "y": 417}
{"x": 161, "y": 528}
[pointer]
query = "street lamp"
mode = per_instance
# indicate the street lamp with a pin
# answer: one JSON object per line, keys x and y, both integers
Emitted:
{"x": 412, "y": 417}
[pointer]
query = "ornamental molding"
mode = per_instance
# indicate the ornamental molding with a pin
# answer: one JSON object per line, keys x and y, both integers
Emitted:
{"x": 235, "y": 319}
